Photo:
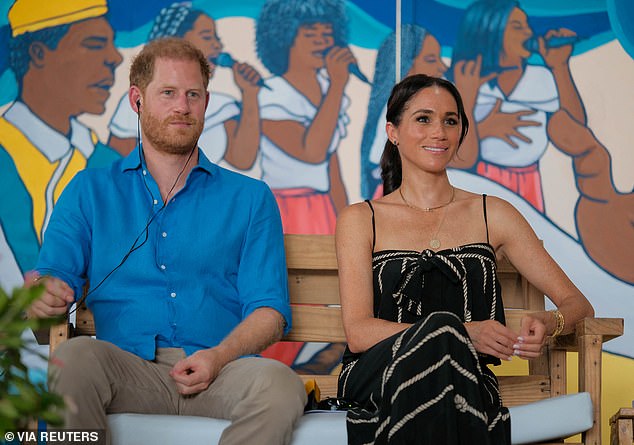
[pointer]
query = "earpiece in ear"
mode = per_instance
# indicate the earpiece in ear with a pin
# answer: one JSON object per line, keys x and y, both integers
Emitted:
{"x": 138, "y": 106}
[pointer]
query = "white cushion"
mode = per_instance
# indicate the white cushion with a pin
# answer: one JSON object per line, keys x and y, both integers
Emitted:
{"x": 552, "y": 418}
{"x": 140, "y": 429}
{"x": 547, "y": 419}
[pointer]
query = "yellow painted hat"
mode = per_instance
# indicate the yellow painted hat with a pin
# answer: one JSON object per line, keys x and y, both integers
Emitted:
{"x": 33, "y": 15}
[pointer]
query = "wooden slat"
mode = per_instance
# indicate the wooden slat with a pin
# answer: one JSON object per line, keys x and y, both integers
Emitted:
{"x": 58, "y": 334}
{"x": 84, "y": 322}
{"x": 310, "y": 252}
{"x": 310, "y": 287}
{"x": 590, "y": 381}
{"x": 607, "y": 328}
{"x": 316, "y": 323}
{"x": 327, "y": 384}
{"x": 557, "y": 372}
{"x": 517, "y": 292}
{"x": 518, "y": 390}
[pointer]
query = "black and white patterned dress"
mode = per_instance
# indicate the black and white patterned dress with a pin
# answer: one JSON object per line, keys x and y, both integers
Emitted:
{"x": 427, "y": 384}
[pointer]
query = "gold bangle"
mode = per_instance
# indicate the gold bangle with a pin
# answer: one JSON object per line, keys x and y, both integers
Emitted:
{"x": 560, "y": 322}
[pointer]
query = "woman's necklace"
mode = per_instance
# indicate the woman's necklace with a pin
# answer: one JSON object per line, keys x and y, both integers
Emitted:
{"x": 434, "y": 242}
{"x": 427, "y": 209}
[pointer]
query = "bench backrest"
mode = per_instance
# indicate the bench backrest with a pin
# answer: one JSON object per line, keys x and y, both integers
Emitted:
{"x": 314, "y": 293}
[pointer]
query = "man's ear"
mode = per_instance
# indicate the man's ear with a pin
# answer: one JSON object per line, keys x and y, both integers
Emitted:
{"x": 37, "y": 53}
{"x": 136, "y": 98}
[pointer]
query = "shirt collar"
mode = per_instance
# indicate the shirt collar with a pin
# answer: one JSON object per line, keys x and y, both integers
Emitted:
{"x": 133, "y": 162}
{"x": 51, "y": 143}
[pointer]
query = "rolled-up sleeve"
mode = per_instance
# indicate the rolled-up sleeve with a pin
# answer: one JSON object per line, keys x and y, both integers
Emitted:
{"x": 262, "y": 276}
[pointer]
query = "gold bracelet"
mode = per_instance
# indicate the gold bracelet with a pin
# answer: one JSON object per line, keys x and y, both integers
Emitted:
{"x": 560, "y": 322}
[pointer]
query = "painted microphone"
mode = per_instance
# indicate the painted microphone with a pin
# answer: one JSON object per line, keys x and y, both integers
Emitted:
{"x": 226, "y": 61}
{"x": 354, "y": 69}
{"x": 532, "y": 44}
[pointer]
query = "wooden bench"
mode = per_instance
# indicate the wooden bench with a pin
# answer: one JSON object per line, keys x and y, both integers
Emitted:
{"x": 314, "y": 292}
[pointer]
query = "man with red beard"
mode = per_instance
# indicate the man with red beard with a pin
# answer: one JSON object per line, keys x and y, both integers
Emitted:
{"x": 186, "y": 285}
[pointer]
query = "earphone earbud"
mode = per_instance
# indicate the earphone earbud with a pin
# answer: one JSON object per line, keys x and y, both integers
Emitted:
{"x": 138, "y": 106}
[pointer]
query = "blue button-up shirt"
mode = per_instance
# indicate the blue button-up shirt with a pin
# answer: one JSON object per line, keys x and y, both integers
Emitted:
{"x": 207, "y": 260}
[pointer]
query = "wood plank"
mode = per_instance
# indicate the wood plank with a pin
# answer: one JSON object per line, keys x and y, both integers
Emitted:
{"x": 316, "y": 323}
{"x": 310, "y": 287}
{"x": 557, "y": 372}
{"x": 590, "y": 381}
{"x": 327, "y": 384}
{"x": 310, "y": 252}
{"x": 58, "y": 334}
{"x": 512, "y": 293}
{"x": 518, "y": 390}
{"x": 84, "y": 322}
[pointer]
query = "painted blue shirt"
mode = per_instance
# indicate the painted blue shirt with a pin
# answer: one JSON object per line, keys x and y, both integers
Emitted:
{"x": 207, "y": 260}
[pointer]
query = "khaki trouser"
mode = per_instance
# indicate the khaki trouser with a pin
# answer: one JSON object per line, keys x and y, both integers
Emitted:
{"x": 263, "y": 398}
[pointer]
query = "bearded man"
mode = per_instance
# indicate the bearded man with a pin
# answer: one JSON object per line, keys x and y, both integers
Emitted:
{"x": 186, "y": 267}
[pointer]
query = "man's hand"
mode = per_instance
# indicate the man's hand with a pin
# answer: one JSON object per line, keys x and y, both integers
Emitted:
{"x": 493, "y": 338}
{"x": 55, "y": 299}
{"x": 195, "y": 373}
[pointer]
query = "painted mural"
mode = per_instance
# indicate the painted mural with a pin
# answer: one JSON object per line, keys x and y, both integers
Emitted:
{"x": 298, "y": 99}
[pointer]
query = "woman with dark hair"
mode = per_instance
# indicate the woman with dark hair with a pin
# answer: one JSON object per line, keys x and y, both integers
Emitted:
{"x": 420, "y": 299}
{"x": 303, "y": 44}
{"x": 525, "y": 95}
{"x": 420, "y": 54}
{"x": 232, "y": 128}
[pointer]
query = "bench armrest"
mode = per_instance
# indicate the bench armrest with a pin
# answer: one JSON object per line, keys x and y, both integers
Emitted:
{"x": 606, "y": 328}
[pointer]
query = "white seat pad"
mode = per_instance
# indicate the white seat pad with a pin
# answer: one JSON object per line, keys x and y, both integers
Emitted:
{"x": 547, "y": 419}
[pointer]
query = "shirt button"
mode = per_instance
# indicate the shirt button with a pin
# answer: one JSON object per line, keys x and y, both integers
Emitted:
{"x": 163, "y": 267}
{"x": 155, "y": 201}
{"x": 173, "y": 295}
{"x": 164, "y": 234}
{"x": 144, "y": 172}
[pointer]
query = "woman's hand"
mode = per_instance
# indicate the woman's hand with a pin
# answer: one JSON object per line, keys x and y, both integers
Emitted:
{"x": 532, "y": 337}
{"x": 558, "y": 56}
{"x": 468, "y": 79}
{"x": 337, "y": 61}
{"x": 493, "y": 338}
{"x": 246, "y": 77}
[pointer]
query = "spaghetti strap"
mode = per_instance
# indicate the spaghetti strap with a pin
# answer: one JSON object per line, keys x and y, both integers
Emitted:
{"x": 484, "y": 207}
{"x": 373, "y": 227}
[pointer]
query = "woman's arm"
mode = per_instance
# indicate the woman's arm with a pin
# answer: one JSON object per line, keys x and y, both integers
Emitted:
{"x": 243, "y": 136}
{"x": 337, "y": 189}
{"x": 557, "y": 60}
{"x": 354, "y": 257}
{"x": 514, "y": 238}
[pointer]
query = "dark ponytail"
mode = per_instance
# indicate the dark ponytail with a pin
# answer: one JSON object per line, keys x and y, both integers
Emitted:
{"x": 391, "y": 169}
{"x": 402, "y": 93}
